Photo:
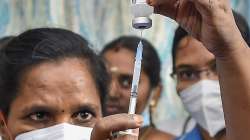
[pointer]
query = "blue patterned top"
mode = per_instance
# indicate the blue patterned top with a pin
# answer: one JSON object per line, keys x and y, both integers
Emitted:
{"x": 192, "y": 135}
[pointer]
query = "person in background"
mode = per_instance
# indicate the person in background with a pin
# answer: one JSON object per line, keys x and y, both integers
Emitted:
{"x": 212, "y": 23}
{"x": 52, "y": 86}
{"x": 119, "y": 56}
{"x": 194, "y": 69}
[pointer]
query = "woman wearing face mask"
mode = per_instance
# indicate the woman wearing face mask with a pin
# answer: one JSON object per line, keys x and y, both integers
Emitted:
{"x": 52, "y": 86}
{"x": 197, "y": 83}
{"x": 212, "y": 23}
{"x": 119, "y": 56}
{"x": 198, "y": 87}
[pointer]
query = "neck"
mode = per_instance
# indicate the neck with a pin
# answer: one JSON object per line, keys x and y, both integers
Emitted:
{"x": 205, "y": 135}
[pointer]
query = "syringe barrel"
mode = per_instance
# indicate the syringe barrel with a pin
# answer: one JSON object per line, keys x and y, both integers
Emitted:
{"x": 136, "y": 76}
{"x": 132, "y": 105}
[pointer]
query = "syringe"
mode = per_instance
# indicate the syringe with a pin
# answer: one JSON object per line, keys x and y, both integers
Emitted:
{"x": 136, "y": 78}
{"x": 134, "y": 91}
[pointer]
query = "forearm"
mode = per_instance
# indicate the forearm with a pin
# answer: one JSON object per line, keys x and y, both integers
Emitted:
{"x": 234, "y": 76}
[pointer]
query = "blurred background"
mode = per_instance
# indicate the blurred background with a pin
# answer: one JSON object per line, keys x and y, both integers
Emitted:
{"x": 100, "y": 21}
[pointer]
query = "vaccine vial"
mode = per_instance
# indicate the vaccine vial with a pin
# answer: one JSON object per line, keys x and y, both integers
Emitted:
{"x": 141, "y": 14}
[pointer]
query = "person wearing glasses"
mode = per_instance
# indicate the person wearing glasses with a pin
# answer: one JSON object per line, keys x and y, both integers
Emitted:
{"x": 197, "y": 84}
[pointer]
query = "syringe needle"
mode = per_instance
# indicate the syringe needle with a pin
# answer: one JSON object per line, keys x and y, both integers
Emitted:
{"x": 136, "y": 78}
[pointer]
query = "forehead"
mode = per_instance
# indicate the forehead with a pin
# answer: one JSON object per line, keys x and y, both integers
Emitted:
{"x": 122, "y": 60}
{"x": 192, "y": 52}
{"x": 58, "y": 84}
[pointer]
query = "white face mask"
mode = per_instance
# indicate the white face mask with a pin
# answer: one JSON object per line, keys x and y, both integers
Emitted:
{"x": 62, "y": 131}
{"x": 203, "y": 101}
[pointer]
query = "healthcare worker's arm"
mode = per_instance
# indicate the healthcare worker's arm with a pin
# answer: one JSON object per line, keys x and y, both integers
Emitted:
{"x": 114, "y": 123}
{"x": 211, "y": 21}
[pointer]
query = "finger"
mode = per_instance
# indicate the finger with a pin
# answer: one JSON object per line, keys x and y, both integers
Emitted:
{"x": 165, "y": 7}
{"x": 155, "y": 3}
{"x": 151, "y": 2}
{"x": 211, "y": 4}
{"x": 202, "y": 2}
{"x": 114, "y": 123}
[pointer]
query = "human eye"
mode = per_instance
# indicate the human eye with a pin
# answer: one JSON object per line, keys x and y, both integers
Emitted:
{"x": 125, "y": 81}
{"x": 39, "y": 116}
{"x": 84, "y": 116}
{"x": 187, "y": 75}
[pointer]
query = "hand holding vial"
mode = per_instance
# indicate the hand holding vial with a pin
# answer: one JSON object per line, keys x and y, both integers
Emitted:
{"x": 205, "y": 20}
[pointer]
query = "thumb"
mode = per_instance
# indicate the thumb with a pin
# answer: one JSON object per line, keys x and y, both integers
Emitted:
{"x": 119, "y": 122}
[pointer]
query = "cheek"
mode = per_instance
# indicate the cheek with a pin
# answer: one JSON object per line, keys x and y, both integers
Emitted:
{"x": 125, "y": 98}
{"x": 143, "y": 95}
{"x": 183, "y": 85}
{"x": 15, "y": 123}
{"x": 17, "y": 127}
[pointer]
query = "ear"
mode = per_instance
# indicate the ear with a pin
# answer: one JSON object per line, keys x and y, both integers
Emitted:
{"x": 156, "y": 94}
{"x": 3, "y": 127}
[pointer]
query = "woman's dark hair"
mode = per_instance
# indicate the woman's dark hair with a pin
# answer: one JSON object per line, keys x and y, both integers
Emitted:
{"x": 151, "y": 64}
{"x": 37, "y": 46}
{"x": 180, "y": 33}
{"x": 5, "y": 40}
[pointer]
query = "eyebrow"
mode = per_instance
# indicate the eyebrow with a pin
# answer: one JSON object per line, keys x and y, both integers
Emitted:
{"x": 89, "y": 107}
{"x": 185, "y": 66}
{"x": 188, "y": 66}
{"x": 37, "y": 108}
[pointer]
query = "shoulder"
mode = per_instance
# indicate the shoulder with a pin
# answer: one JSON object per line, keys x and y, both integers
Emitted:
{"x": 192, "y": 135}
{"x": 155, "y": 134}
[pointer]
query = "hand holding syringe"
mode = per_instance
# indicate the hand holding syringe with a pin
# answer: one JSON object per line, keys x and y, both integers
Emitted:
{"x": 134, "y": 91}
{"x": 141, "y": 12}
{"x": 136, "y": 78}
{"x": 135, "y": 84}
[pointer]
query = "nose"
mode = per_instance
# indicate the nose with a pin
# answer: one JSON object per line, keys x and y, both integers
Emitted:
{"x": 63, "y": 118}
{"x": 206, "y": 75}
{"x": 114, "y": 89}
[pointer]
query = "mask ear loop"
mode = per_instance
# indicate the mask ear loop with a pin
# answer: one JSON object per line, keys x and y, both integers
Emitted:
{"x": 5, "y": 125}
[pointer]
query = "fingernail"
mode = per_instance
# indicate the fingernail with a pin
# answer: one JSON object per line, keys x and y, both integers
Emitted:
{"x": 138, "y": 120}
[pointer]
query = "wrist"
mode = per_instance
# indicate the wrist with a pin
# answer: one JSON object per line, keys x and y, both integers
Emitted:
{"x": 232, "y": 51}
